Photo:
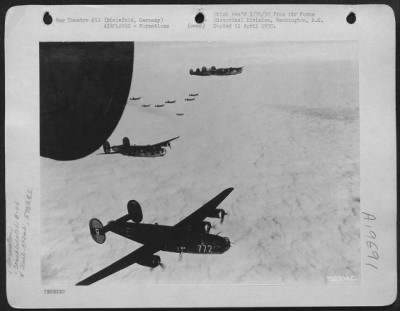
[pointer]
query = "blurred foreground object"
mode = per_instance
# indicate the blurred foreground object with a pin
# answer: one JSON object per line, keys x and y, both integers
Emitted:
{"x": 84, "y": 87}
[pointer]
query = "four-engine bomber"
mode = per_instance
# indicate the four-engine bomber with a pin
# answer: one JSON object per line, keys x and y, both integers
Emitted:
{"x": 156, "y": 150}
{"x": 190, "y": 235}
{"x": 213, "y": 71}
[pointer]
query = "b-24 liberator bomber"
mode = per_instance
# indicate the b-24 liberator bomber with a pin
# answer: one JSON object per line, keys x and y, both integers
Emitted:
{"x": 190, "y": 235}
{"x": 156, "y": 150}
{"x": 213, "y": 71}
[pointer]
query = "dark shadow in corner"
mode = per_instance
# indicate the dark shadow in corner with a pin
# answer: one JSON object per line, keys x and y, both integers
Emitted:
{"x": 84, "y": 87}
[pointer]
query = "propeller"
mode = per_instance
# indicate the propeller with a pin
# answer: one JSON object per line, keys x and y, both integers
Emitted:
{"x": 222, "y": 215}
{"x": 208, "y": 226}
{"x": 213, "y": 226}
{"x": 162, "y": 266}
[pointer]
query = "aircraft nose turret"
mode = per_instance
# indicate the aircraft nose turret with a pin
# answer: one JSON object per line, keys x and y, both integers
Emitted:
{"x": 227, "y": 244}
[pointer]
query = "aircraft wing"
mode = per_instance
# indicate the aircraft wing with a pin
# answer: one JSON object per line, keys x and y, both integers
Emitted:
{"x": 199, "y": 215}
{"x": 165, "y": 143}
{"x": 120, "y": 264}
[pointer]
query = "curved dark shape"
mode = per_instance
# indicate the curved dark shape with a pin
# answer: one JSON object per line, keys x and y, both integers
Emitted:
{"x": 135, "y": 211}
{"x": 96, "y": 231}
{"x": 84, "y": 87}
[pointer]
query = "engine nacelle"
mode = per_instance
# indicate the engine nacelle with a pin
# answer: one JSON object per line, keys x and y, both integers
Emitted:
{"x": 152, "y": 261}
{"x": 218, "y": 213}
{"x": 126, "y": 142}
{"x": 206, "y": 226}
{"x": 135, "y": 211}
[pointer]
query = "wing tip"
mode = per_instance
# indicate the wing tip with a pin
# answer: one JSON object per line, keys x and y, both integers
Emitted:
{"x": 85, "y": 282}
{"x": 229, "y": 190}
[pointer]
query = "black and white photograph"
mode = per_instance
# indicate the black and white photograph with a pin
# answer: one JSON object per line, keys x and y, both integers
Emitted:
{"x": 222, "y": 163}
{"x": 200, "y": 156}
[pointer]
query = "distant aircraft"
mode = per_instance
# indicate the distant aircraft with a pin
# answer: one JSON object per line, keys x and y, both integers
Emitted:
{"x": 170, "y": 101}
{"x": 135, "y": 98}
{"x": 190, "y": 235}
{"x": 179, "y": 113}
{"x": 145, "y": 105}
{"x": 159, "y": 105}
{"x": 196, "y": 94}
{"x": 216, "y": 71}
{"x": 156, "y": 150}
{"x": 189, "y": 99}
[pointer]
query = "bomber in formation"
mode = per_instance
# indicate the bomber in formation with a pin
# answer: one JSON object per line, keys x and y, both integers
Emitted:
{"x": 191, "y": 97}
{"x": 213, "y": 71}
{"x": 190, "y": 235}
{"x": 156, "y": 150}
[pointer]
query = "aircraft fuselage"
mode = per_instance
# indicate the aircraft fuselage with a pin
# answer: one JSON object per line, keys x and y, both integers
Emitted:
{"x": 172, "y": 239}
{"x": 217, "y": 71}
{"x": 140, "y": 151}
